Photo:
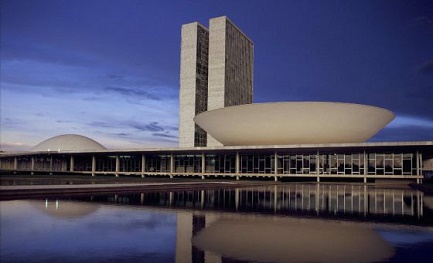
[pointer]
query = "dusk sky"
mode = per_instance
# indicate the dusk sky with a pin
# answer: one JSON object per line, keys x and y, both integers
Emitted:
{"x": 109, "y": 69}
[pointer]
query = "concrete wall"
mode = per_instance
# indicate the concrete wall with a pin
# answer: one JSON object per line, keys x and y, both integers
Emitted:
{"x": 189, "y": 84}
{"x": 230, "y": 67}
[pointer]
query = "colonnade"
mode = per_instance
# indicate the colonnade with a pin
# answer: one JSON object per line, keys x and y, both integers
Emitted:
{"x": 274, "y": 165}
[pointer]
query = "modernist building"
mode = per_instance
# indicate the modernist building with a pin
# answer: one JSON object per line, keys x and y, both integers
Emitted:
{"x": 216, "y": 71}
{"x": 282, "y": 141}
{"x": 363, "y": 162}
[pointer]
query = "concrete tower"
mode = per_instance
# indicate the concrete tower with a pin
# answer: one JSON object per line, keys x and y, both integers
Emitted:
{"x": 193, "y": 83}
{"x": 216, "y": 72}
{"x": 231, "y": 62}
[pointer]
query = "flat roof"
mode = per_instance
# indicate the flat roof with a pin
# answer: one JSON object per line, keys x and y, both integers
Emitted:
{"x": 425, "y": 146}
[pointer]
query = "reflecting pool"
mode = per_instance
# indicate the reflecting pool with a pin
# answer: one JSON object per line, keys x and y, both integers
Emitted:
{"x": 282, "y": 223}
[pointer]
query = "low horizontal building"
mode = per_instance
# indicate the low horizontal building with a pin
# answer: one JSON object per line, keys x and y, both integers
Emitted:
{"x": 319, "y": 162}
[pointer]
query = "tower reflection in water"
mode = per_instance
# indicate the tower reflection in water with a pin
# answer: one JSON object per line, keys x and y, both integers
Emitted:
{"x": 296, "y": 231}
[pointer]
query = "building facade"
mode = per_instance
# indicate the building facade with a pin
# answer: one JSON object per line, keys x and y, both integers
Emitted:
{"x": 193, "y": 92}
{"x": 363, "y": 162}
{"x": 216, "y": 72}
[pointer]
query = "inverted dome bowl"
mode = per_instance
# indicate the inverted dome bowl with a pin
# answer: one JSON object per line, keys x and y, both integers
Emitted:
{"x": 285, "y": 123}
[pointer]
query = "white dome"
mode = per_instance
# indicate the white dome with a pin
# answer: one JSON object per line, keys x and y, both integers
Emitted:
{"x": 285, "y": 123}
{"x": 68, "y": 142}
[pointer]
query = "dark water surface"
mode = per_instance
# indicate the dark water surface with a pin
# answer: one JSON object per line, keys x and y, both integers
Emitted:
{"x": 283, "y": 223}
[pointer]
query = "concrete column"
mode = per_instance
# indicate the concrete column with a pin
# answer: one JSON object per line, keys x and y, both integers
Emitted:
{"x": 143, "y": 165}
{"x": 237, "y": 162}
{"x": 93, "y": 165}
{"x": 419, "y": 167}
{"x": 51, "y": 163}
{"x": 417, "y": 163}
{"x": 364, "y": 156}
{"x": 317, "y": 162}
{"x": 365, "y": 163}
{"x": 71, "y": 163}
{"x": 32, "y": 168}
{"x": 203, "y": 168}
{"x": 117, "y": 166}
{"x": 203, "y": 163}
{"x": 420, "y": 164}
{"x": 171, "y": 163}
{"x": 275, "y": 166}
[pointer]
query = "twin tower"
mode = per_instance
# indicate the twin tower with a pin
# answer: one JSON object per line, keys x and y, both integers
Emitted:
{"x": 216, "y": 71}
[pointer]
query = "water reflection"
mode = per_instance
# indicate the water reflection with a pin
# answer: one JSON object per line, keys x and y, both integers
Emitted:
{"x": 31, "y": 233}
{"x": 355, "y": 202}
{"x": 284, "y": 223}
{"x": 64, "y": 208}
{"x": 292, "y": 240}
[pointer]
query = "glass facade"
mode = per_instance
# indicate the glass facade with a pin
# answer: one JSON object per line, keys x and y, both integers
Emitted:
{"x": 278, "y": 164}
{"x": 105, "y": 163}
{"x": 187, "y": 163}
{"x": 82, "y": 163}
{"x": 158, "y": 163}
{"x": 201, "y": 90}
{"x": 220, "y": 163}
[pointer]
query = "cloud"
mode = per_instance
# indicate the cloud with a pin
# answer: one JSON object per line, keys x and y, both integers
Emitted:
{"x": 164, "y": 135}
{"x": 406, "y": 128}
{"x": 122, "y": 134}
{"x": 411, "y": 121}
{"x": 46, "y": 53}
{"x": 14, "y": 146}
{"x": 115, "y": 76}
{"x": 132, "y": 92}
{"x": 9, "y": 122}
{"x": 171, "y": 128}
{"x": 153, "y": 127}
{"x": 101, "y": 124}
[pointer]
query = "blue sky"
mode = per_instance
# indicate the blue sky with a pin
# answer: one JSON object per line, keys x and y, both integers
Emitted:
{"x": 109, "y": 69}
